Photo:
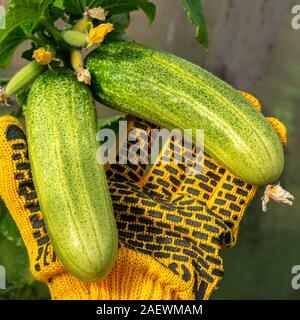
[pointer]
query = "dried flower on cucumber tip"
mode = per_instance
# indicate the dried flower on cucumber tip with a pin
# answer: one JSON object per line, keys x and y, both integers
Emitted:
{"x": 278, "y": 194}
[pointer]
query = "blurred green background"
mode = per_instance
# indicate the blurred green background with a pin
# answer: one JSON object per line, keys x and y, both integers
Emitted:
{"x": 254, "y": 47}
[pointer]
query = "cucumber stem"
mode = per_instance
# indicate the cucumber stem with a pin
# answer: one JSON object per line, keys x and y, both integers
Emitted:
{"x": 83, "y": 24}
{"x": 38, "y": 41}
{"x": 55, "y": 34}
{"x": 82, "y": 74}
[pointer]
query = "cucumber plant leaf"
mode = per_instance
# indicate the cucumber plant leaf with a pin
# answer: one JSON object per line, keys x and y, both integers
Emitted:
{"x": 27, "y": 54}
{"x": 14, "y": 258}
{"x": 59, "y": 4}
{"x": 23, "y": 12}
{"x": 110, "y": 122}
{"x": 21, "y": 98}
{"x": 77, "y": 7}
{"x": 21, "y": 19}
{"x": 121, "y": 23}
{"x": 30, "y": 291}
{"x": 4, "y": 80}
{"x": 124, "y": 6}
{"x": 19, "y": 113}
{"x": 195, "y": 14}
{"x": 149, "y": 9}
{"x": 8, "y": 228}
{"x": 9, "y": 45}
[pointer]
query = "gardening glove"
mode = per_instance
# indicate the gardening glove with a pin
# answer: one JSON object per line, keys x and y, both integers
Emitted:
{"x": 17, "y": 191}
{"x": 180, "y": 220}
{"x": 171, "y": 226}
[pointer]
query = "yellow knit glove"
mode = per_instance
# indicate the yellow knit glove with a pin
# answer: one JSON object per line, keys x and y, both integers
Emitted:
{"x": 181, "y": 221}
{"x": 133, "y": 273}
{"x": 171, "y": 226}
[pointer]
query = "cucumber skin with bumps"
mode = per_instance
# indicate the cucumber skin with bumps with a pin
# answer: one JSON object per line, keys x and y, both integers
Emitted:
{"x": 174, "y": 93}
{"x": 24, "y": 77}
{"x": 71, "y": 185}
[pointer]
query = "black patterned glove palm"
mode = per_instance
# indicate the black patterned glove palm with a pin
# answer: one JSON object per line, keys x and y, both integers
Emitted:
{"x": 178, "y": 219}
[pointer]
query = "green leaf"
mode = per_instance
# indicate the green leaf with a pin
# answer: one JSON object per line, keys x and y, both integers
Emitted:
{"x": 13, "y": 254}
{"x": 14, "y": 258}
{"x": 29, "y": 53}
{"x": 149, "y": 9}
{"x": 75, "y": 7}
{"x": 8, "y": 227}
{"x": 59, "y": 4}
{"x": 55, "y": 13}
{"x": 122, "y": 8}
{"x": 29, "y": 27}
{"x": 110, "y": 122}
{"x": 196, "y": 16}
{"x": 125, "y": 6}
{"x": 32, "y": 291}
{"x": 18, "y": 113}
{"x": 120, "y": 21}
{"x": 116, "y": 36}
{"x": 22, "y": 12}
{"x": 22, "y": 100}
{"x": 21, "y": 18}
{"x": 4, "y": 80}
{"x": 9, "y": 45}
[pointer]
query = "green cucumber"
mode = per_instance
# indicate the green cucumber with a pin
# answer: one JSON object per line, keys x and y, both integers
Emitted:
{"x": 24, "y": 77}
{"x": 174, "y": 93}
{"x": 75, "y": 38}
{"x": 71, "y": 185}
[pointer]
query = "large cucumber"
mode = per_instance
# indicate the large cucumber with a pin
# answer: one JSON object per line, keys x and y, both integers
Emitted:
{"x": 70, "y": 183}
{"x": 174, "y": 93}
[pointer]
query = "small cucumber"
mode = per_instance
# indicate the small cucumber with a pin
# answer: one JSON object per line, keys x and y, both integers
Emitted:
{"x": 75, "y": 38}
{"x": 24, "y": 77}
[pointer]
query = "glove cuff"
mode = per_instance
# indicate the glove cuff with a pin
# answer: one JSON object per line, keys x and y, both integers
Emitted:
{"x": 137, "y": 276}
{"x": 66, "y": 287}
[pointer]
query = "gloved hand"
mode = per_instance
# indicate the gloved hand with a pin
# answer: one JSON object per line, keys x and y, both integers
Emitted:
{"x": 180, "y": 220}
{"x": 171, "y": 226}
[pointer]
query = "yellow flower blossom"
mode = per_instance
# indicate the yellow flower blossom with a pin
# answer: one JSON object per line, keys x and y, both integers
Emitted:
{"x": 43, "y": 56}
{"x": 97, "y": 35}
